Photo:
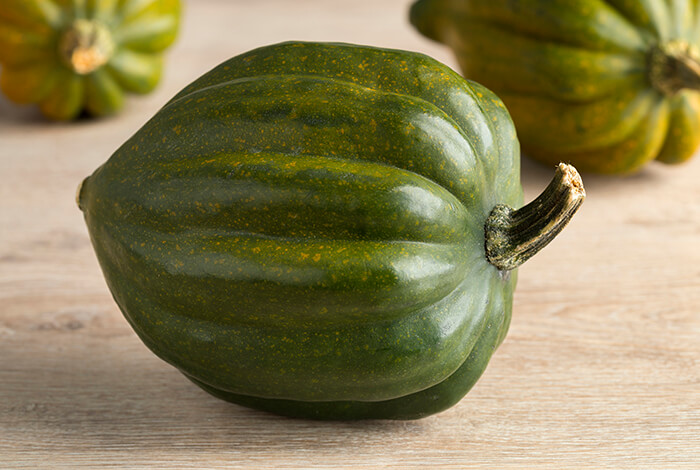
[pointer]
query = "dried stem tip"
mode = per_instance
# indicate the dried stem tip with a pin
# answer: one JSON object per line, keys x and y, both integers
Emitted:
{"x": 86, "y": 46}
{"x": 514, "y": 236}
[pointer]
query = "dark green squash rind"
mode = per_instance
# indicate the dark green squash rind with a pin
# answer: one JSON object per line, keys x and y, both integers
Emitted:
{"x": 171, "y": 253}
{"x": 414, "y": 406}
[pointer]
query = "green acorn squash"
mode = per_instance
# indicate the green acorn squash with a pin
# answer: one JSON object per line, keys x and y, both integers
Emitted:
{"x": 302, "y": 230}
{"x": 79, "y": 56}
{"x": 608, "y": 85}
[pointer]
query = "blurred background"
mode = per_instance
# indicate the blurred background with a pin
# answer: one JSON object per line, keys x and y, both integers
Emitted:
{"x": 601, "y": 368}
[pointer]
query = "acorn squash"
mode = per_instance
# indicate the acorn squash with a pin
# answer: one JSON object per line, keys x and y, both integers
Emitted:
{"x": 323, "y": 230}
{"x": 79, "y": 56}
{"x": 606, "y": 85}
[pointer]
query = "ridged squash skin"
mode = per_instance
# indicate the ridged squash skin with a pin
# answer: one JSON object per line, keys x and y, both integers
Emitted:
{"x": 578, "y": 75}
{"x": 301, "y": 230}
{"x": 73, "y": 57}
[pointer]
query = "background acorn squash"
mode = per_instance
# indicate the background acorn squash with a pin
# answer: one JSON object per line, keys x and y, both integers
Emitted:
{"x": 82, "y": 55}
{"x": 323, "y": 230}
{"x": 606, "y": 85}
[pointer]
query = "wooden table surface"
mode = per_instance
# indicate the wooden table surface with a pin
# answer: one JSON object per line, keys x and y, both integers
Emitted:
{"x": 601, "y": 368}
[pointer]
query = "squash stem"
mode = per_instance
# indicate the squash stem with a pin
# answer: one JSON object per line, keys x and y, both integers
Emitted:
{"x": 514, "y": 236}
{"x": 85, "y": 46}
{"x": 674, "y": 66}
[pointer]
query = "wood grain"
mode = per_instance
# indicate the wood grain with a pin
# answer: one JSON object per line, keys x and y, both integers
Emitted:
{"x": 601, "y": 368}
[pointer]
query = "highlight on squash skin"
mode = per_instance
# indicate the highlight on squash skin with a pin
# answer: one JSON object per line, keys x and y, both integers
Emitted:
{"x": 74, "y": 58}
{"x": 608, "y": 86}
